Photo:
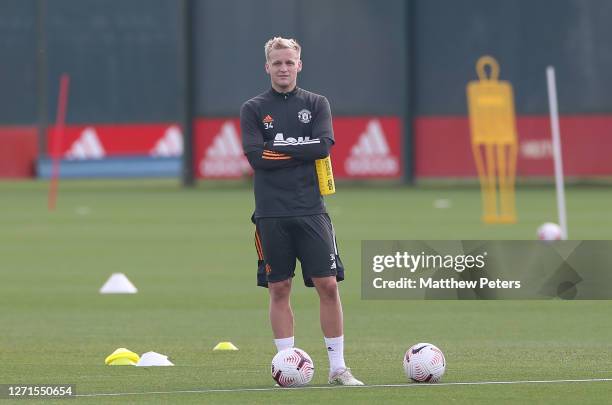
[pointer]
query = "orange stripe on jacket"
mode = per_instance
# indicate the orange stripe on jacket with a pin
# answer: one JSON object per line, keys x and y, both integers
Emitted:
{"x": 272, "y": 153}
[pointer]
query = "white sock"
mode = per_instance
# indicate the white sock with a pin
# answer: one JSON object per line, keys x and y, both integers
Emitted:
{"x": 335, "y": 352}
{"x": 284, "y": 343}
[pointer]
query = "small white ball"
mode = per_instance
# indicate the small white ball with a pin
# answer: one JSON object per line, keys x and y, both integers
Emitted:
{"x": 292, "y": 367}
{"x": 424, "y": 362}
{"x": 550, "y": 231}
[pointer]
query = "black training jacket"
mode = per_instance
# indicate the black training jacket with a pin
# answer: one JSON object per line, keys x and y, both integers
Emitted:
{"x": 282, "y": 135}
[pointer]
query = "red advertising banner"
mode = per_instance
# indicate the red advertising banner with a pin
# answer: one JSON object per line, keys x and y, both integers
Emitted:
{"x": 218, "y": 149}
{"x": 101, "y": 140}
{"x": 442, "y": 146}
{"x": 18, "y": 151}
{"x": 366, "y": 147}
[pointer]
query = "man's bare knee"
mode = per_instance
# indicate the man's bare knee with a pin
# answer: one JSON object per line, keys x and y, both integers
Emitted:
{"x": 280, "y": 290}
{"x": 327, "y": 287}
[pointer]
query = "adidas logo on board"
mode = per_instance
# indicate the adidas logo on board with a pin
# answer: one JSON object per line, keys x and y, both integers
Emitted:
{"x": 87, "y": 146}
{"x": 224, "y": 157}
{"x": 170, "y": 145}
{"x": 371, "y": 154}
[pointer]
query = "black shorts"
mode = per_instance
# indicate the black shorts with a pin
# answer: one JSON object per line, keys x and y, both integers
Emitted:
{"x": 309, "y": 239}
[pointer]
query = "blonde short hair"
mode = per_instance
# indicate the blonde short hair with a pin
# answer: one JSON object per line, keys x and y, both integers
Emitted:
{"x": 281, "y": 43}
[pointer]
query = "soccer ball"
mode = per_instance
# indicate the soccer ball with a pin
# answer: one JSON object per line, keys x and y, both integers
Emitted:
{"x": 292, "y": 368}
{"x": 550, "y": 231}
{"x": 424, "y": 362}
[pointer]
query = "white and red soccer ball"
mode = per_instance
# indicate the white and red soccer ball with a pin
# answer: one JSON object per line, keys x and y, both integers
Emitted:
{"x": 292, "y": 368}
{"x": 550, "y": 231}
{"x": 424, "y": 362}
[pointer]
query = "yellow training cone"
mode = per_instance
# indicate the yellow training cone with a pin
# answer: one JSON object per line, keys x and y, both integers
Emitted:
{"x": 122, "y": 357}
{"x": 122, "y": 361}
{"x": 225, "y": 346}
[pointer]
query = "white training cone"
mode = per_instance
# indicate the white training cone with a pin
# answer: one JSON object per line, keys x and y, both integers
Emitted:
{"x": 118, "y": 283}
{"x": 150, "y": 359}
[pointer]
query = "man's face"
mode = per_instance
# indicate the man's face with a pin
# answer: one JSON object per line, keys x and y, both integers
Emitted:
{"x": 283, "y": 66}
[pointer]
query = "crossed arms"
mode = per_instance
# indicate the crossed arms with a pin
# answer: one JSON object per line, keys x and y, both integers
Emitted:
{"x": 281, "y": 154}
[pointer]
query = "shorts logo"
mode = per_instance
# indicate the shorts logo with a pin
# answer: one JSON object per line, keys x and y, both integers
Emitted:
{"x": 268, "y": 122}
{"x": 332, "y": 257}
{"x": 304, "y": 116}
{"x": 268, "y": 269}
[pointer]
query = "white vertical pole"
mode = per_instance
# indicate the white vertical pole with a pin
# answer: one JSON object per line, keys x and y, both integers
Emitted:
{"x": 556, "y": 143}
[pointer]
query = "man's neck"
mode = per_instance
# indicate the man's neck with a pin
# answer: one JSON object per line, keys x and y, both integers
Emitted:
{"x": 284, "y": 90}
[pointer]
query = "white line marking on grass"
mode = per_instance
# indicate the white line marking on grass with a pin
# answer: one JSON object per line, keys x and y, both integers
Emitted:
{"x": 321, "y": 387}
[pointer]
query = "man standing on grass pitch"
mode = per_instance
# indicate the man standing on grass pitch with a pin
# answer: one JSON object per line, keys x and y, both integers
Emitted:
{"x": 284, "y": 131}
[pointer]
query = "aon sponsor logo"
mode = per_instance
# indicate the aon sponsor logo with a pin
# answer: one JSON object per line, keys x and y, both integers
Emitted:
{"x": 280, "y": 139}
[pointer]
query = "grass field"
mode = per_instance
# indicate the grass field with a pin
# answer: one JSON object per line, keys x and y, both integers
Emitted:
{"x": 191, "y": 254}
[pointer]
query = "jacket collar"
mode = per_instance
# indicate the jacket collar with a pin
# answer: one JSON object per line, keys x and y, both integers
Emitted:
{"x": 284, "y": 95}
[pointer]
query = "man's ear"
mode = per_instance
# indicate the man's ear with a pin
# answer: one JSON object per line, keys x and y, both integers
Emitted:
{"x": 299, "y": 67}
{"x": 267, "y": 67}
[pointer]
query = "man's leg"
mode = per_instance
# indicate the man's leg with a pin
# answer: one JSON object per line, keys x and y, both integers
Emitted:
{"x": 318, "y": 253}
{"x": 330, "y": 309}
{"x": 330, "y": 306}
{"x": 332, "y": 327}
{"x": 279, "y": 256}
{"x": 281, "y": 315}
